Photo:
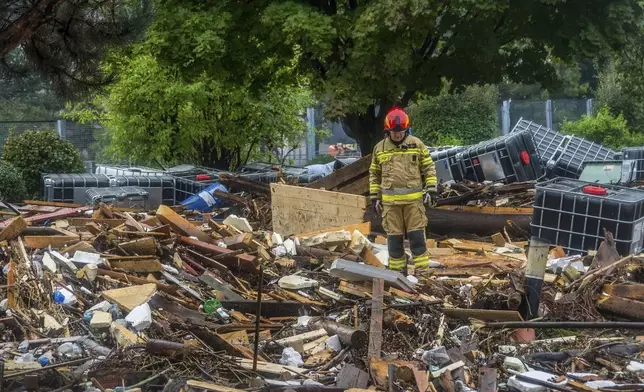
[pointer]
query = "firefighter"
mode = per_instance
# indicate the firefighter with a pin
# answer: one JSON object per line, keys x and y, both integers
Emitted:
{"x": 402, "y": 178}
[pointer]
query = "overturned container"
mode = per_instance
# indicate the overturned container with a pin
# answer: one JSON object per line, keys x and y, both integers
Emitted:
{"x": 510, "y": 158}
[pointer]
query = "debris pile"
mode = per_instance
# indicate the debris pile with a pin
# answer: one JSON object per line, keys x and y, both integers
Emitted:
{"x": 106, "y": 298}
{"x": 518, "y": 194}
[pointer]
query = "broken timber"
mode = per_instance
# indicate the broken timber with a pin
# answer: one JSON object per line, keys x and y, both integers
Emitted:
{"x": 242, "y": 261}
{"x": 353, "y": 178}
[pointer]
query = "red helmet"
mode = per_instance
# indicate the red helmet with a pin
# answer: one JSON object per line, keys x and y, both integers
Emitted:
{"x": 396, "y": 120}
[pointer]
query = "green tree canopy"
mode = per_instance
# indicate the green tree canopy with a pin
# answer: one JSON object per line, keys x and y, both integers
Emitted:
{"x": 464, "y": 118}
{"x": 366, "y": 55}
{"x": 196, "y": 91}
{"x": 621, "y": 83}
{"x": 604, "y": 128}
{"x": 35, "y": 153}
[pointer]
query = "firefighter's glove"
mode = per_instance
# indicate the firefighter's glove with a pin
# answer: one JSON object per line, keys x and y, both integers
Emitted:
{"x": 430, "y": 197}
{"x": 377, "y": 205}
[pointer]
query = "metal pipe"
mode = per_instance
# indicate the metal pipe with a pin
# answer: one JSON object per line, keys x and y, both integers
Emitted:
{"x": 534, "y": 273}
{"x": 355, "y": 338}
{"x": 258, "y": 314}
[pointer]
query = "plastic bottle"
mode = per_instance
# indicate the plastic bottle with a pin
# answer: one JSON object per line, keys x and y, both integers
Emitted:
{"x": 64, "y": 296}
{"x": 24, "y": 346}
{"x": 211, "y": 305}
{"x": 70, "y": 350}
{"x": 46, "y": 359}
{"x": 28, "y": 357}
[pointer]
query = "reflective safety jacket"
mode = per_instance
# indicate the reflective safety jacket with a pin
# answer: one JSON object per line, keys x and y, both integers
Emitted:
{"x": 398, "y": 173}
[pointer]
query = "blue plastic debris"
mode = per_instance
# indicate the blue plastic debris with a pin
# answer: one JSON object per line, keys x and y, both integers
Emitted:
{"x": 205, "y": 200}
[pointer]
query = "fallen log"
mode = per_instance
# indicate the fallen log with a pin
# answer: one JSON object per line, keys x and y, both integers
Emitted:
{"x": 455, "y": 223}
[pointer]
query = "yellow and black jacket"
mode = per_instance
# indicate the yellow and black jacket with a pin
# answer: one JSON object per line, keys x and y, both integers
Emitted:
{"x": 398, "y": 173}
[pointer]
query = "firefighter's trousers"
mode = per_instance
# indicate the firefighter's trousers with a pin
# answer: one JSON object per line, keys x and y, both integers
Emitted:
{"x": 398, "y": 220}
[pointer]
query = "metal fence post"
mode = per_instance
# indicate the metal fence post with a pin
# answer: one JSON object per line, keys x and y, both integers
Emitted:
{"x": 505, "y": 118}
{"x": 61, "y": 127}
{"x": 589, "y": 107}
{"x": 549, "y": 113}
{"x": 310, "y": 134}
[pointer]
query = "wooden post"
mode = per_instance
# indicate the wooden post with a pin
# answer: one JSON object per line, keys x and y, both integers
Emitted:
{"x": 533, "y": 281}
{"x": 375, "y": 328}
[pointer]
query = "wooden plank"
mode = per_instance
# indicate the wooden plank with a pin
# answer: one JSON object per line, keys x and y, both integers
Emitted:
{"x": 343, "y": 175}
{"x": 630, "y": 291}
{"x": 129, "y": 298}
{"x": 297, "y": 210}
{"x": 364, "y": 228}
{"x": 359, "y": 186}
{"x": 55, "y": 241}
{"x": 82, "y": 245}
{"x": 81, "y": 222}
{"x": 490, "y": 210}
{"x": 141, "y": 246}
{"x": 498, "y": 239}
{"x": 13, "y": 229}
{"x": 375, "y": 327}
{"x": 482, "y": 314}
{"x": 268, "y": 367}
{"x": 302, "y": 337}
{"x": 485, "y": 271}
{"x": 149, "y": 265}
{"x": 130, "y": 221}
{"x": 133, "y": 279}
{"x": 52, "y": 204}
{"x": 180, "y": 224}
{"x": 353, "y": 289}
{"x": 242, "y": 261}
{"x": 318, "y": 196}
{"x": 371, "y": 259}
{"x": 63, "y": 213}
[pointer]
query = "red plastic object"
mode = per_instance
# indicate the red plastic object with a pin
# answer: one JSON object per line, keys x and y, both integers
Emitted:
{"x": 525, "y": 157}
{"x": 202, "y": 177}
{"x": 595, "y": 190}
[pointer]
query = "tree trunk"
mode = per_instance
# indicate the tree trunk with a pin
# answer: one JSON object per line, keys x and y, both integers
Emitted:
{"x": 367, "y": 128}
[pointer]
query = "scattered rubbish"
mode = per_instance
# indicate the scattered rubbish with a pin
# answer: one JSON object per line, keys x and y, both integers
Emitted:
{"x": 207, "y": 296}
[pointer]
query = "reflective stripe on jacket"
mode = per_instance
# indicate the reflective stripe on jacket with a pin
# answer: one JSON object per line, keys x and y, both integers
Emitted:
{"x": 399, "y": 173}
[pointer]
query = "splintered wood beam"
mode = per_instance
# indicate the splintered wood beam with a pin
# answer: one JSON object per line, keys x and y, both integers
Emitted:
{"x": 375, "y": 329}
{"x": 181, "y": 225}
{"x": 15, "y": 227}
{"x": 44, "y": 241}
{"x": 243, "y": 262}
{"x": 344, "y": 176}
{"x": 244, "y": 184}
{"x": 141, "y": 246}
{"x": 52, "y": 216}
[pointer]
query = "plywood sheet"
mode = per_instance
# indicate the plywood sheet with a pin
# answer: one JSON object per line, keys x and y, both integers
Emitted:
{"x": 299, "y": 210}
